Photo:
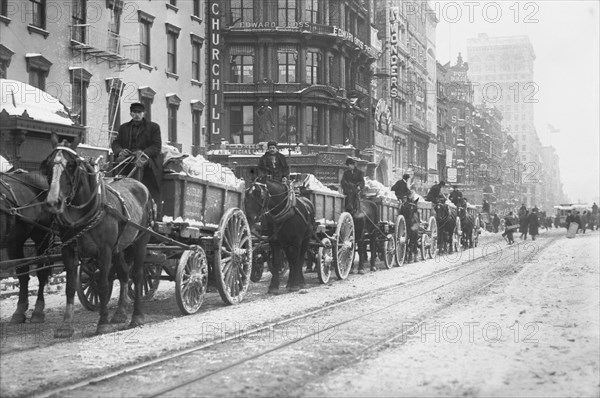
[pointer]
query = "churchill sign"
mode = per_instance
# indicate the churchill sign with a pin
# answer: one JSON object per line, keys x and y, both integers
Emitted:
{"x": 215, "y": 94}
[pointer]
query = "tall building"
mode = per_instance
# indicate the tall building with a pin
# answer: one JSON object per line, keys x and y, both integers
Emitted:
{"x": 99, "y": 56}
{"x": 502, "y": 71}
{"x": 405, "y": 89}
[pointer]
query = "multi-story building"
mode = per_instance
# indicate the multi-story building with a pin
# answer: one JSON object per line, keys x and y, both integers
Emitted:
{"x": 551, "y": 188}
{"x": 445, "y": 140}
{"x": 403, "y": 88}
{"x": 99, "y": 56}
{"x": 502, "y": 72}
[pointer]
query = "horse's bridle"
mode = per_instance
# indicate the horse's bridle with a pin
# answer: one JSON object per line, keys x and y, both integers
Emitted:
{"x": 266, "y": 197}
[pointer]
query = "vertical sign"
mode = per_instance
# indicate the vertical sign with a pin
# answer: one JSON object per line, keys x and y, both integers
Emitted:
{"x": 394, "y": 11}
{"x": 215, "y": 94}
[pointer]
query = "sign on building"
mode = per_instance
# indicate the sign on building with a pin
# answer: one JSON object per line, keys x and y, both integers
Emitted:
{"x": 452, "y": 174}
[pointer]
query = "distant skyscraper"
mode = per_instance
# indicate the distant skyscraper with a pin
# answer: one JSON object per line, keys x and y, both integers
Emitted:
{"x": 501, "y": 69}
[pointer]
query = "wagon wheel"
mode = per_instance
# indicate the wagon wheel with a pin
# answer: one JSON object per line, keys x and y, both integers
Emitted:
{"x": 233, "y": 256}
{"x": 343, "y": 252}
{"x": 475, "y": 233}
{"x": 432, "y": 250}
{"x": 456, "y": 236}
{"x": 150, "y": 281}
{"x": 400, "y": 240}
{"x": 324, "y": 260}
{"x": 87, "y": 284}
{"x": 191, "y": 280}
{"x": 388, "y": 251}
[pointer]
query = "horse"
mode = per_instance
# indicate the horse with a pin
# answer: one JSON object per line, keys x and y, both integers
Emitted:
{"x": 467, "y": 223}
{"x": 445, "y": 217}
{"x": 292, "y": 221}
{"x": 95, "y": 217}
{"x": 365, "y": 218}
{"x": 411, "y": 215}
{"x": 27, "y": 193}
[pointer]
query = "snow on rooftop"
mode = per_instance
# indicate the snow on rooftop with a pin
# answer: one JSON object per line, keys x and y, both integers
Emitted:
{"x": 17, "y": 97}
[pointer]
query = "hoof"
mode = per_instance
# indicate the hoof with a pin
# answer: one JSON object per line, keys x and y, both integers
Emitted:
{"x": 294, "y": 288}
{"x": 18, "y": 318}
{"x": 361, "y": 271}
{"x": 64, "y": 332}
{"x": 352, "y": 271}
{"x": 273, "y": 291}
{"x": 38, "y": 317}
{"x": 103, "y": 329}
{"x": 373, "y": 269}
{"x": 136, "y": 320}
{"x": 303, "y": 291}
{"x": 119, "y": 317}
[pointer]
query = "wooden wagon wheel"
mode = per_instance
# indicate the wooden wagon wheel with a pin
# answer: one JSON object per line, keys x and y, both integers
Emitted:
{"x": 150, "y": 281}
{"x": 429, "y": 241}
{"x": 388, "y": 251}
{"x": 456, "y": 235}
{"x": 345, "y": 247}
{"x": 475, "y": 232}
{"x": 400, "y": 240}
{"x": 87, "y": 284}
{"x": 324, "y": 260}
{"x": 191, "y": 280}
{"x": 232, "y": 260}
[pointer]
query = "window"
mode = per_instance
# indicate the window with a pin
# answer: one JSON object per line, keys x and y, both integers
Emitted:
{"x": 196, "y": 53}
{"x": 286, "y": 12}
{"x": 196, "y": 127}
{"x": 197, "y": 10}
{"x": 146, "y": 20}
{"x": 173, "y": 102}
{"x": 4, "y": 8}
{"x": 311, "y": 13}
{"x": 312, "y": 67}
{"x": 38, "y": 13}
{"x": 146, "y": 95}
{"x": 311, "y": 124}
{"x": 288, "y": 129}
{"x": 242, "y": 64}
{"x": 38, "y": 68}
{"x": 242, "y": 11}
{"x": 242, "y": 124}
{"x": 78, "y": 20}
{"x": 80, "y": 80}
{"x": 172, "y": 35}
{"x": 287, "y": 65}
{"x": 5, "y": 58}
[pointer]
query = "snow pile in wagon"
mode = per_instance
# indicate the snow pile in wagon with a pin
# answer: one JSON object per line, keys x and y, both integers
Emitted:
{"x": 198, "y": 167}
{"x": 4, "y": 165}
{"x": 311, "y": 183}
{"x": 377, "y": 189}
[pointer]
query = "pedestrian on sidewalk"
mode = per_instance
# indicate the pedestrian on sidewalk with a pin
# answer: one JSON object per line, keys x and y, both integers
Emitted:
{"x": 584, "y": 221}
{"x": 533, "y": 224}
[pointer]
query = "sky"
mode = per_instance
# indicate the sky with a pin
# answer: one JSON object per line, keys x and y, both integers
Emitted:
{"x": 565, "y": 38}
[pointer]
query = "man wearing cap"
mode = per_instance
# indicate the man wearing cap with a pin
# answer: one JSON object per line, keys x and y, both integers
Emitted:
{"x": 401, "y": 188}
{"x": 435, "y": 193}
{"x": 273, "y": 164}
{"x": 353, "y": 182}
{"x": 142, "y": 139}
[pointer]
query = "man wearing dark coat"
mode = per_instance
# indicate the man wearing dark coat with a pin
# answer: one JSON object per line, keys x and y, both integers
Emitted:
{"x": 508, "y": 228}
{"x": 273, "y": 163}
{"x": 456, "y": 196}
{"x": 401, "y": 188}
{"x": 435, "y": 192}
{"x": 496, "y": 222}
{"x": 353, "y": 181}
{"x": 533, "y": 224}
{"x": 524, "y": 225}
{"x": 141, "y": 138}
{"x": 570, "y": 218}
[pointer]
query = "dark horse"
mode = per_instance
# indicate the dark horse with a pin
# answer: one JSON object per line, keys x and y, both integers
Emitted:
{"x": 411, "y": 215}
{"x": 467, "y": 224}
{"x": 292, "y": 222}
{"x": 26, "y": 192}
{"x": 95, "y": 219}
{"x": 445, "y": 217}
{"x": 365, "y": 217}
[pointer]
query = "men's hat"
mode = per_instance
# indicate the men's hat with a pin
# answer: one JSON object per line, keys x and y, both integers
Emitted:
{"x": 270, "y": 143}
{"x": 405, "y": 176}
{"x": 137, "y": 106}
{"x": 350, "y": 161}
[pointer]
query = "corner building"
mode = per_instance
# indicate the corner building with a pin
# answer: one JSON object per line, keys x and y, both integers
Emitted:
{"x": 311, "y": 60}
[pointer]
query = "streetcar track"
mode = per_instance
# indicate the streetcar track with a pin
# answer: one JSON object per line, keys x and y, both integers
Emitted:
{"x": 271, "y": 325}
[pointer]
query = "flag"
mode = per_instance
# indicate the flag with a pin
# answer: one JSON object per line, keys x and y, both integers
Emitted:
{"x": 552, "y": 129}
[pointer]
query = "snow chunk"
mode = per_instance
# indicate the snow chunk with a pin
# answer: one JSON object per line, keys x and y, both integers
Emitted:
{"x": 4, "y": 165}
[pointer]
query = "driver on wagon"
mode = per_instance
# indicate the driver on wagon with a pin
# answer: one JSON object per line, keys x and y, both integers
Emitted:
{"x": 273, "y": 164}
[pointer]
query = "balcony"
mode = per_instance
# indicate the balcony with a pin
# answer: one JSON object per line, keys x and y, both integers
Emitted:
{"x": 104, "y": 46}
